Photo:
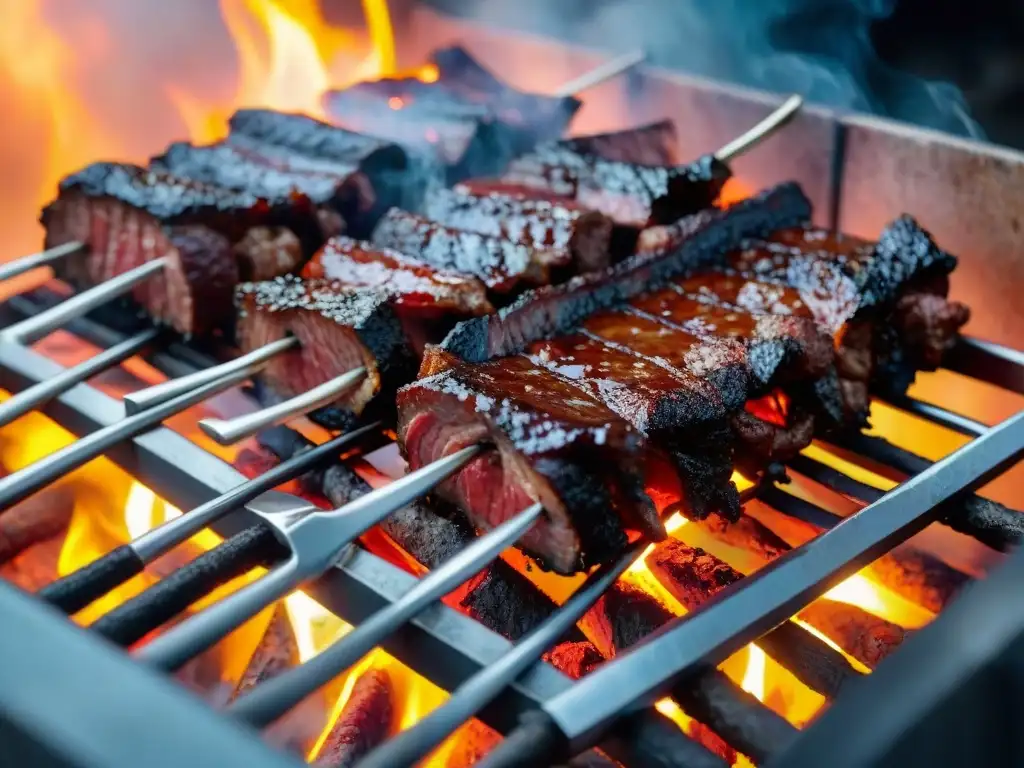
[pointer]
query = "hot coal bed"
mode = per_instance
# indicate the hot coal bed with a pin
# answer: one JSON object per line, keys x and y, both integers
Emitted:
{"x": 937, "y": 700}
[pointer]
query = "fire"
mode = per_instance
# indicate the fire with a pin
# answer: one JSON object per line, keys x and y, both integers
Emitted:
{"x": 289, "y": 55}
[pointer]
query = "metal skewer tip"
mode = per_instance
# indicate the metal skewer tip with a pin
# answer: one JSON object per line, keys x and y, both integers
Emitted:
{"x": 602, "y": 73}
{"x": 317, "y": 540}
{"x": 144, "y": 399}
{"x": 35, "y": 328}
{"x": 269, "y": 701}
{"x": 41, "y": 259}
{"x": 33, "y": 397}
{"x": 762, "y": 130}
{"x": 230, "y": 431}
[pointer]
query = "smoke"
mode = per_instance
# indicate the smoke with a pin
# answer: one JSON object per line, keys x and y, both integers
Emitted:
{"x": 819, "y": 48}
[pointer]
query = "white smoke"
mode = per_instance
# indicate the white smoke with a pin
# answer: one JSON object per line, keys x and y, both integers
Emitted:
{"x": 820, "y": 48}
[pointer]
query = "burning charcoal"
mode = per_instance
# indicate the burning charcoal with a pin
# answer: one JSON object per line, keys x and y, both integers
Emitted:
{"x": 574, "y": 659}
{"x": 467, "y": 121}
{"x": 366, "y": 720}
{"x": 694, "y": 576}
{"x": 39, "y": 518}
{"x": 623, "y": 616}
{"x": 276, "y": 651}
{"x": 472, "y": 742}
{"x": 36, "y": 566}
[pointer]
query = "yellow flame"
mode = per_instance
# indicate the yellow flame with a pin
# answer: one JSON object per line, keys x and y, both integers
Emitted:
{"x": 753, "y": 678}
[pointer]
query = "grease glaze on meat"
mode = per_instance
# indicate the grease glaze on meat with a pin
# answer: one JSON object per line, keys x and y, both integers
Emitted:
{"x": 553, "y": 443}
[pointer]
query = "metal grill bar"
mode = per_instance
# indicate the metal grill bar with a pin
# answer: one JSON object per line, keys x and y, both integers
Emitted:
{"x": 441, "y": 644}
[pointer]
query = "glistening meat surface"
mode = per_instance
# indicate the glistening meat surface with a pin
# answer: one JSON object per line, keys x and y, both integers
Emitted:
{"x": 551, "y": 443}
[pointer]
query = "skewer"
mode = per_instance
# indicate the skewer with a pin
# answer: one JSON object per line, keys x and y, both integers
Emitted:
{"x": 26, "y": 481}
{"x": 411, "y": 745}
{"x": 34, "y": 328}
{"x": 230, "y": 431}
{"x": 41, "y": 259}
{"x": 159, "y": 393}
{"x": 600, "y": 74}
{"x": 29, "y": 399}
{"x": 269, "y": 701}
{"x": 937, "y": 415}
{"x": 317, "y": 540}
{"x": 762, "y": 130}
{"x": 76, "y": 590}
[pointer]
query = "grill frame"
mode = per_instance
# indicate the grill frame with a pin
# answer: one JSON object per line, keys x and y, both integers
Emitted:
{"x": 823, "y": 150}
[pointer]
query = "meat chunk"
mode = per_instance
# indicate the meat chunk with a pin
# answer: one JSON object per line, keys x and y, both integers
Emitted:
{"x": 501, "y": 264}
{"x": 427, "y": 301}
{"x": 650, "y": 144}
{"x": 128, "y": 216}
{"x": 552, "y": 443}
{"x": 584, "y": 236}
{"x": 339, "y": 329}
{"x": 466, "y": 120}
{"x": 631, "y": 194}
{"x": 357, "y": 176}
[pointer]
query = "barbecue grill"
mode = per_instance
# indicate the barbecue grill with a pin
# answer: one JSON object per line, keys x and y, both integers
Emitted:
{"x": 859, "y": 172}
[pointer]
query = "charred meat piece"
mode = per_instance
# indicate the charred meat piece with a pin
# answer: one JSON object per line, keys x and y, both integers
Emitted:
{"x": 552, "y": 443}
{"x": 428, "y": 301}
{"x": 128, "y": 216}
{"x": 682, "y": 413}
{"x": 338, "y": 328}
{"x": 357, "y": 176}
{"x": 885, "y": 303}
{"x": 501, "y": 264}
{"x": 584, "y": 236}
{"x": 630, "y": 193}
{"x": 467, "y": 121}
{"x": 650, "y": 144}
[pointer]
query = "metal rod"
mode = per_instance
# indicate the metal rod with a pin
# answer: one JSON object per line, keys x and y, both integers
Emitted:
{"x": 759, "y": 602}
{"x": 938, "y": 415}
{"x": 317, "y": 541}
{"x": 29, "y": 399}
{"x": 409, "y": 746}
{"x": 78, "y": 589}
{"x": 762, "y": 130}
{"x": 26, "y": 481}
{"x": 269, "y": 701}
{"x": 230, "y": 431}
{"x": 147, "y": 398}
{"x": 989, "y": 362}
{"x": 34, "y": 328}
{"x": 601, "y": 73}
{"x": 25, "y": 264}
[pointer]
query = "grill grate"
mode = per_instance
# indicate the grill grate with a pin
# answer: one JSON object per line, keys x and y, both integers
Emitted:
{"x": 446, "y": 646}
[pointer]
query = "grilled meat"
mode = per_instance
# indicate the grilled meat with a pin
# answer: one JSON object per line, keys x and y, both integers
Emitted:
{"x": 353, "y": 305}
{"x": 128, "y": 215}
{"x": 552, "y": 443}
{"x": 552, "y": 417}
{"x": 356, "y": 176}
{"x": 338, "y": 328}
{"x": 502, "y": 265}
{"x": 467, "y": 121}
{"x": 650, "y": 144}
{"x": 631, "y": 194}
{"x": 584, "y": 236}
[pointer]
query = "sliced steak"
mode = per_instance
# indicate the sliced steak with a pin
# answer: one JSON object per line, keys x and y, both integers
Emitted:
{"x": 552, "y": 443}
{"x": 358, "y": 176}
{"x": 502, "y": 265}
{"x": 338, "y": 328}
{"x": 427, "y": 301}
{"x": 128, "y": 216}
{"x": 585, "y": 236}
{"x": 629, "y": 193}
